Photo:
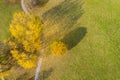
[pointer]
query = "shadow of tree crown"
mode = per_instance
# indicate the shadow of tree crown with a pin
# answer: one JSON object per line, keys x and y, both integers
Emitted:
{"x": 65, "y": 14}
{"x": 74, "y": 37}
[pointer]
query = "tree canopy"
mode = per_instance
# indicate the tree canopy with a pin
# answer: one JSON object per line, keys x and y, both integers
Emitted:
{"x": 26, "y": 39}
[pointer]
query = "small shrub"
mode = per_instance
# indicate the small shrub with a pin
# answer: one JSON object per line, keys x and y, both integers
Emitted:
{"x": 58, "y": 48}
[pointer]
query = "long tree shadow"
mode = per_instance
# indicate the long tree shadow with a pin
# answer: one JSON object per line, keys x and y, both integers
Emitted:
{"x": 65, "y": 14}
{"x": 74, "y": 37}
{"x": 61, "y": 19}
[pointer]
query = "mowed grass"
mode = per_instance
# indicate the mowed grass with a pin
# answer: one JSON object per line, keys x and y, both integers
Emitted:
{"x": 6, "y": 13}
{"x": 91, "y": 29}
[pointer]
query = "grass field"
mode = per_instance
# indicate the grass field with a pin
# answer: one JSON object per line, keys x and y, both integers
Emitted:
{"x": 6, "y": 13}
{"x": 91, "y": 28}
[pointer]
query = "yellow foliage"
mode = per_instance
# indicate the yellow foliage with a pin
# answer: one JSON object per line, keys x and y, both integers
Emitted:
{"x": 23, "y": 60}
{"x": 58, "y": 48}
{"x": 15, "y": 54}
{"x": 27, "y": 30}
{"x": 12, "y": 44}
{"x": 4, "y": 74}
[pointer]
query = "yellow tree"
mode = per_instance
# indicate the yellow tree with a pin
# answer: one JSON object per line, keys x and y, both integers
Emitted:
{"x": 26, "y": 39}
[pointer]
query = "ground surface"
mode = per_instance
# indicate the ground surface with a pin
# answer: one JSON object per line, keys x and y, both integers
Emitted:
{"x": 6, "y": 13}
{"x": 91, "y": 29}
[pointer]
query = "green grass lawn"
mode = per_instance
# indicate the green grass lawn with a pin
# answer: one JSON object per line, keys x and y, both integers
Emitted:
{"x": 91, "y": 28}
{"x": 6, "y": 13}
